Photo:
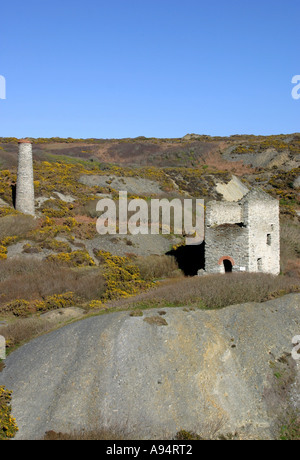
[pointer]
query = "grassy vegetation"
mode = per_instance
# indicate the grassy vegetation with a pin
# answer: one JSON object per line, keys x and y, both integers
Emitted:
{"x": 279, "y": 398}
{"x": 213, "y": 291}
{"x": 98, "y": 434}
{"x": 24, "y": 329}
{"x": 290, "y": 430}
{"x": 257, "y": 144}
{"x": 290, "y": 248}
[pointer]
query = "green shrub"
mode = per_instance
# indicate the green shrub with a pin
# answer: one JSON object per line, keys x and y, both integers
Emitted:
{"x": 19, "y": 308}
{"x": 57, "y": 301}
{"x": 8, "y": 427}
{"x": 290, "y": 431}
{"x": 122, "y": 277}
{"x": 72, "y": 259}
{"x": 57, "y": 246}
{"x": 184, "y": 435}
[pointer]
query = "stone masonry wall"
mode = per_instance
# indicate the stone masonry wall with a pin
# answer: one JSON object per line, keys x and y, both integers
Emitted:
{"x": 25, "y": 186}
{"x": 223, "y": 212}
{"x": 247, "y": 232}
{"x": 262, "y": 219}
{"x": 227, "y": 240}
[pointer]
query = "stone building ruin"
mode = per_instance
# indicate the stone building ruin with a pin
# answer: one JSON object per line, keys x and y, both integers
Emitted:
{"x": 243, "y": 235}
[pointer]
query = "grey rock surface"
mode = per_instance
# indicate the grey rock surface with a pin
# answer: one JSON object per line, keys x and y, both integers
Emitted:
{"x": 233, "y": 190}
{"x": 204, "y": 368}
{"x": 133, "y": 185}
{"x": 296, "y": 183}
{"x": 266, "y": 159}
{"x": 141, "y": 245}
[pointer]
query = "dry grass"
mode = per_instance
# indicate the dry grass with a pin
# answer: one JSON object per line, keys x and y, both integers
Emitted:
{"x": 154, "y": 267}
{"x": 156, "y": 320}
{"x": 25, "y": 329}
{"x": 290, "y": 248}
{"x": 34, "y": 279}
{"x": 213, "y": 291}
{"x": 98, "y": 434}
{"x": 210, "y": 292}
{"x": 137, "y": 312}
{"x": 16, "y": 225}
{"x": 216, "y": 160}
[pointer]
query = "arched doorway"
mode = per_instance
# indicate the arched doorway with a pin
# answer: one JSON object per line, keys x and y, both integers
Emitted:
{"x": 227, "y": 266}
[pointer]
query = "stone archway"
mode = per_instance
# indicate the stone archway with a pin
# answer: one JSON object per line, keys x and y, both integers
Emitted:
{"x": 227, "y": 263}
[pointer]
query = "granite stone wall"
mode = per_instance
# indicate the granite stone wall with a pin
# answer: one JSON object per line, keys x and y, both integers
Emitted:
{"x": 226, "y": 241}
{"x": 25, "y": 186}
{"x": 262, "y": 219}
{"x": 245, "y": 232}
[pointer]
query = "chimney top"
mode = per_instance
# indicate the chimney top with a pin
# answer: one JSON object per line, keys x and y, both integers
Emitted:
{"x": 24, "y": 141}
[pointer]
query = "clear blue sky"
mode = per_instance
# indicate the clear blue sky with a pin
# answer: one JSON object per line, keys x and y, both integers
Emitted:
{"x": 163, "y": 68}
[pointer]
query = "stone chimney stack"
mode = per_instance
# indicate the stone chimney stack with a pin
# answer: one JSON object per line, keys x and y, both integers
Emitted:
{"x": 25, "y": 187}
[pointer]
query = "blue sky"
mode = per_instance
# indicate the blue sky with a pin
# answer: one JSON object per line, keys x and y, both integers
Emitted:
{"x": 163, "y": 68}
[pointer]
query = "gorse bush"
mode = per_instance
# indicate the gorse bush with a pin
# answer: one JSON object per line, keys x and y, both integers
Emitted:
{"x": 23, "y": 308}
{"x": 3, "y": 245}
{"x": 56, "y": 208}
{"x": 8, "y": 427}
{"x": 19, "y": 308}
{"x": 72, "y": 259}
{"x": 3, "y": 252}
{"x": 54, "y": 302}
{"x": 8, "y": 211}
{"x": 68, "y": 228}
{"x": 55, "y": 245}
{"x": 49, "y": 229}
{"x": 122, "y": 277}
{"x": 7, "y": 179}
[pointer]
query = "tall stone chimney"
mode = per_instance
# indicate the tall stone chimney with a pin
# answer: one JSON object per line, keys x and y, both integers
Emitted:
{"x": 25, "y": 187}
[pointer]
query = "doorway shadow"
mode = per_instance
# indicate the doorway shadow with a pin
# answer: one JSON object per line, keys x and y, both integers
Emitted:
{"x": 190, "y": 258}
{"x": 13, "y": 194}
{"x": 227, "y": 266}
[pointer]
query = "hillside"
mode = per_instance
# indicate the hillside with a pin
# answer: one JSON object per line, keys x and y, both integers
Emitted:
{"x": 72, "y": 175}
{"x": 271, "y": 161}
{"x": 56, "y": 268}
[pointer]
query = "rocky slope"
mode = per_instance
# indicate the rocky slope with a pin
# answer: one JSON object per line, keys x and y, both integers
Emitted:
{"x": 208, "y": 371}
